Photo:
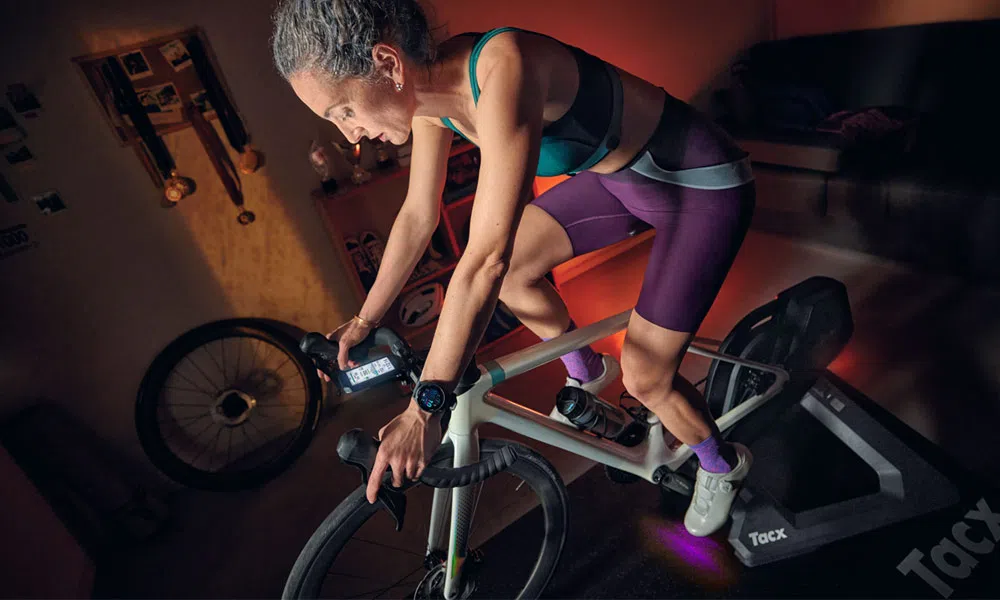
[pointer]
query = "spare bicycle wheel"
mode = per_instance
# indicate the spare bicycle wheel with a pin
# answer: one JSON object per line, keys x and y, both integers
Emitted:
{"x": 228, "y": 405}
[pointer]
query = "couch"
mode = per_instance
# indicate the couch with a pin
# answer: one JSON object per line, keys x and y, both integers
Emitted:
{"x": 883, "y": 141}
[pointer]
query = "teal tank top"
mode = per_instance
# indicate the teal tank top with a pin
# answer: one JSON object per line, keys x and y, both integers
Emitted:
{"x": 588, "y": 131}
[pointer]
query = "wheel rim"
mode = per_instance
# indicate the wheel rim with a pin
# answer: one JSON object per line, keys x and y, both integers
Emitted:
{"x": 226, "y": 406}
{"x": 378, "y": 562}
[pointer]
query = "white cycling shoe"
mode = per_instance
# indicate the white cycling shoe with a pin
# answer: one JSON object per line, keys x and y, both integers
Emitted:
{"x": 611, "y": 372}
{"x": 714, "y": 494}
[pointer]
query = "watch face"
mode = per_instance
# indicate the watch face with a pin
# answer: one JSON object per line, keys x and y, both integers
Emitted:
{"x": 431, "y": 398}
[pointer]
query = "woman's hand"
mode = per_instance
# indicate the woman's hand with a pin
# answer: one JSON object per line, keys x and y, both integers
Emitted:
{"x": 408, "y": 442}
{"x": 347, "y": 336}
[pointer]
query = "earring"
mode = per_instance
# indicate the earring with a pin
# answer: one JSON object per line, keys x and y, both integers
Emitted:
{"x": 399, "y": 87}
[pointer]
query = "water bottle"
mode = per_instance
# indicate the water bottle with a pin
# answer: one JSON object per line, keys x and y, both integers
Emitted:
{"x": 587, "y": 411}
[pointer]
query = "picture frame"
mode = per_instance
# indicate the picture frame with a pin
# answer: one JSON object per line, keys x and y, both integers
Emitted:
{"x": 162, "y": 74}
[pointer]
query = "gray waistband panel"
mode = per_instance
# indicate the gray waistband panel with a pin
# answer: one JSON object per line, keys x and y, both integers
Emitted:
{"x": 716, "y": 177}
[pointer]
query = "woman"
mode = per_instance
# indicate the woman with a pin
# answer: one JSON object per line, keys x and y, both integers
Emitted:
{"x": 534, "y": 106}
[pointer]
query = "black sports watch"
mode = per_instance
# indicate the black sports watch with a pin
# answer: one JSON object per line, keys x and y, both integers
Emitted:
{"x": 433, "y": 398}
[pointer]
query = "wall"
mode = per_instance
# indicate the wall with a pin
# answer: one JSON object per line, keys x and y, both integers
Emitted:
{"x": 811, "y": 17}
{"x": 116, "y": 277}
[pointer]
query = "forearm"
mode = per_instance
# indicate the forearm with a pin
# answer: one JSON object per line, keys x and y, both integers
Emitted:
{"x": 407, "y": 243}
{"x": 468, "y": 306}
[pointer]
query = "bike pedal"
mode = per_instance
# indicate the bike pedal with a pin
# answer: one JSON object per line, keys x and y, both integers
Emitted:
{"x": 620, "y": 477}
{"x": 679, "y": 484}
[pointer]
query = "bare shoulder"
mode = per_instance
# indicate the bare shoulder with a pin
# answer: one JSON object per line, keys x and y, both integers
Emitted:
{"x": 535, "y": 55}
{"x": 425, "y": 124}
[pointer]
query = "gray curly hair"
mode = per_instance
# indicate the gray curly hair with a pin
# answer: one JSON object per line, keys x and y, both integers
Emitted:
{"x": 336, "y": 37}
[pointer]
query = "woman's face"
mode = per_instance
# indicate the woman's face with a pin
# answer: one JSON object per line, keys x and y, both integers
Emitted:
{"x": 359, "y": 108}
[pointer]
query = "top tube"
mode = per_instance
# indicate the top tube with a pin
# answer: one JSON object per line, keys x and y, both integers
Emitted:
{"x": 532, "y": 357}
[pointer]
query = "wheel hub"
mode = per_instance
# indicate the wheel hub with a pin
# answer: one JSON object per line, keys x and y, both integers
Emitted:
{"x": 432, "y": 585}
{"x": 232, "y": 407}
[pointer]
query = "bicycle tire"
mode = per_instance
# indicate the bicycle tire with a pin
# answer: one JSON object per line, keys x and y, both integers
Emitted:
{"x": 321, "y": 550}
{"x": 149, "y": 395}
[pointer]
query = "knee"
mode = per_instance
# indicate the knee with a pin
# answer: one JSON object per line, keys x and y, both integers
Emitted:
{"x": 520, "y": 274}
{"x": 647, "y": 386}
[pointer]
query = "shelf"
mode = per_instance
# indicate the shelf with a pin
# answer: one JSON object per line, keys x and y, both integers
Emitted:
{"x": 463, "y": 200}
{"x": 348, "y": 189}
{"x": 428, "y": 277}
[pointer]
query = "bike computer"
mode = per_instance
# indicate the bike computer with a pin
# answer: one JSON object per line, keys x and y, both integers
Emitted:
{"x": 370, "y": 374}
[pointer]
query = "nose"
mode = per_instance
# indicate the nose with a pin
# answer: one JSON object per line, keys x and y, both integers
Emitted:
{"x": 352, "y": 137}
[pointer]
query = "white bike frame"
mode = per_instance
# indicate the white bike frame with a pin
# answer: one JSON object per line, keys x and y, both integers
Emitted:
{"x": 480, "y": 405}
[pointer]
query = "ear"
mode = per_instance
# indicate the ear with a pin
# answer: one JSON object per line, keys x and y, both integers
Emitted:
{"x": 388, "y": 62}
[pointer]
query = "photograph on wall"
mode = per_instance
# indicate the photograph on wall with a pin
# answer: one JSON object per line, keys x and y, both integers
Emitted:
{"x": 14, "y": 240}
{"x": 162, "y": 103}
{"x": 10, "y": 131}
{"x": 135, "y": 64}
{"x": 23, "y": 100}
{"x": 7, "y": 191}
{"x": 49, "y": 202}
{"x": 176, "y": 54}
{"x": 201, "y": 102}
{"x": 20, "y": 157}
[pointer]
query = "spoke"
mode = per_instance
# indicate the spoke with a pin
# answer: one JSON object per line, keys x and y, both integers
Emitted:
{"x": 185, "y": 404}
{"x": 253, "y": 359}
{"x": 246, "y": 432}
{"x": 381, "y": 591}
{"x": 229, "y": 449}
{"x": 267, "y": 355}
{"x": 180, "y": 389}
{"x": 195, "y": 461}
{"x": 203, "y": 430}
{"x": 249, "y": 441}
{"x": 225, "y": 374}
{"x": 279, "y": 404}
{"x": 381, "y": 545}
{"x": 203, "y": 374}
{"x": 185, "y": 419}
{"x": 280, "y": 419}
{"x": 239, "y": 353}
{"x": 285, "y": 362}
{"x": 212, "y": 356}
{"x": 475, "y": 505}
{"x": 181, "y": 375}
{"x": 349, "y": 575}
{"x": 266, "y": 439}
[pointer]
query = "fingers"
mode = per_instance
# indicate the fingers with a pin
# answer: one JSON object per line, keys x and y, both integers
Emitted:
{"x": 375, "y": 481}
{"x": 342, "y": 356}
{"x": 323, "y": 375}
{"x": 415, "y": 469}
{"x": 398, "y": 471}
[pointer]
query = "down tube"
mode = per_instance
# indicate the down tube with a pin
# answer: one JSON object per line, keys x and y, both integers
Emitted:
{"x": 462, "y": 507}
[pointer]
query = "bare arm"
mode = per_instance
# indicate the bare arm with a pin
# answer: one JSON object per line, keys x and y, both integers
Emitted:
{"x": 416, "y": 221}
{"x": 509, "y": 123}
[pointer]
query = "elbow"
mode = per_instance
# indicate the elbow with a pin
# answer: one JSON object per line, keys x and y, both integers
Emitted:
{"x": 489, "y": 269}
{"x": 494, "y": 269}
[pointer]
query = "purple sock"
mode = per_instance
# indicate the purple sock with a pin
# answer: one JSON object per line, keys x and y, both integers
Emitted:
{"x": 584, "y": 364}
{"x": 710, "y": 455}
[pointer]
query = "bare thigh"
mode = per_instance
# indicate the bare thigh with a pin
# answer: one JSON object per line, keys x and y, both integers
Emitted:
{"x": 540, "y": 245}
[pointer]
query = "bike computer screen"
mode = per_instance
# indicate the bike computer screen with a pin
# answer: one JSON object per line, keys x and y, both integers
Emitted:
{"x": 370, "y": 371}
{"x": 369, "y": 374}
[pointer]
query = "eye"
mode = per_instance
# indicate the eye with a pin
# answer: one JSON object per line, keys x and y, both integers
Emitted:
{"x": 348, "y": 113}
